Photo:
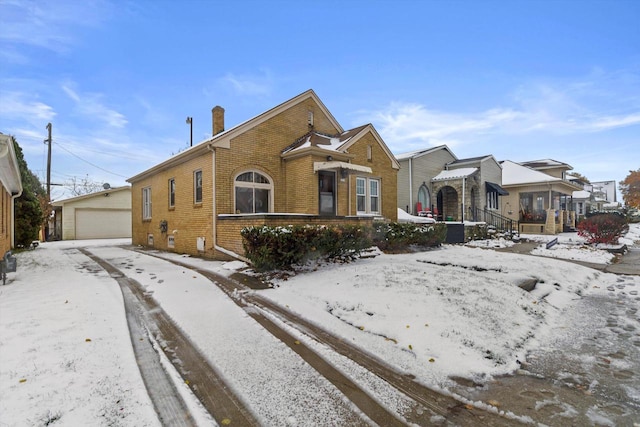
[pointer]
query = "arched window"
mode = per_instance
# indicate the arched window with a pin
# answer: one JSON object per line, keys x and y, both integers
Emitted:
{"x": 424, "y": 198}
{"x": 253, "y": 193}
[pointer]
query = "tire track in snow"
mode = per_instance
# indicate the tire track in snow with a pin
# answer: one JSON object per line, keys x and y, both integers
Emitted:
{"x": 204, "y": 380}
{"x": 460, "y": 413}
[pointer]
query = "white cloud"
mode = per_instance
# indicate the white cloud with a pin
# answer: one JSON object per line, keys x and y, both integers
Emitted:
{"x": 598, "y": 103}
{"x": 19, "y": 106}
{"x": 49, "y": 24}
{"x": 90, "y": 105}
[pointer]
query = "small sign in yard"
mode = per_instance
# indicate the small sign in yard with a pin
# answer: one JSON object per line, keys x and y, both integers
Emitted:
{"x": 552, "y": 242}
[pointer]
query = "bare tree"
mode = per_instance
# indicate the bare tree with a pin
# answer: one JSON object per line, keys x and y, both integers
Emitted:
{"x": 82, "y": 186}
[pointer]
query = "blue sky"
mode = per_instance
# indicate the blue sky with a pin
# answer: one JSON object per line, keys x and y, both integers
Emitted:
{"x": 522, "y": 80}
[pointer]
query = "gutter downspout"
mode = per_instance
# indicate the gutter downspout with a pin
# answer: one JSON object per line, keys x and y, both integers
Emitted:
{"x": 214, "y": 217}
{"x": 213, "y": 203}
{"x": 464, "y": 182}
{"x": 411, "y": 186}
{"x": 349, "y": 194}
{"x": 13, "y": 218}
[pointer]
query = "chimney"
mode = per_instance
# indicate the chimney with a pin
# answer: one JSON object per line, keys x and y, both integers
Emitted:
{"x": 218, "y": 119}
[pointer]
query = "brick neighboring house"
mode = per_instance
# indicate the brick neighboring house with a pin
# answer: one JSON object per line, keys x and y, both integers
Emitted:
{"x": 11, "y": 189}
{"x": 293, "y": 164}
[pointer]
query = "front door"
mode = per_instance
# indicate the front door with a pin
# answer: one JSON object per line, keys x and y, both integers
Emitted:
{"x": 327, "y": 196}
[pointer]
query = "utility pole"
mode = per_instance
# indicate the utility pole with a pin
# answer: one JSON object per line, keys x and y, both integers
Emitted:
{"x": 46, "y": 221}
{"x": 48, "y": 142}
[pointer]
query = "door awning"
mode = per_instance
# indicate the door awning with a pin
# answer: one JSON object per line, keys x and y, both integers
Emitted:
{"x": 322, "y": 166}
{"x": 495, "y": 188}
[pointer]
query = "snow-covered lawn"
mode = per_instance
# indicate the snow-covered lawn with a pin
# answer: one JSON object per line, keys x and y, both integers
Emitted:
{"x": 65, "y": 352}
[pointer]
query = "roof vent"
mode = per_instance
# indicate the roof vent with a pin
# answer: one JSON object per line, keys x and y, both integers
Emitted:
{"x": 106, "y": 186}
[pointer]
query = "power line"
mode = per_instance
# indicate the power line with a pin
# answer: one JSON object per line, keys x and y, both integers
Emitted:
{"x": 88, "y": 162}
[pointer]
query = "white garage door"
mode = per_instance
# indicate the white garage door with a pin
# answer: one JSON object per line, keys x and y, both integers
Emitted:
{"x": 102, "y": 223}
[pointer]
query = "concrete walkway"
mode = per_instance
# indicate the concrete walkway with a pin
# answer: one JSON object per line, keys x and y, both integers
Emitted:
{"x": 629, "y": 263}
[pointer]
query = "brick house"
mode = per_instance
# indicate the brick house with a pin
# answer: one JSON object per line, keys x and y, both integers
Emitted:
{"x": 293, "y": 164}
{"x": 11, "y": 189}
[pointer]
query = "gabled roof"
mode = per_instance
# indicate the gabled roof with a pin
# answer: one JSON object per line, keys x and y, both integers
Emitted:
{"x": 454, "y": 174}
{"x": 515, "y": 174}
{"x": 320, "y": 140}
{"x": 223, "y": 139}
{"x": 423, "y": 152}
{"x": 471, "y": 159}
{"x": 90, "y": 195}
{"x": 546, "y": 164}
{"x": 339, "y": 143}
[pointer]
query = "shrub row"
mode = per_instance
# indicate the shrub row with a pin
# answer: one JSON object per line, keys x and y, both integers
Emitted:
{"x": 271, "y": 248}
{"x": 396, "y": 237}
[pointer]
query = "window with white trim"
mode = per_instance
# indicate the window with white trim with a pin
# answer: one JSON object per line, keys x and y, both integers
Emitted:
{"x": 252, "y": 193}
{"x": 492, "y": 200}
{"x": 367, "y": 195}
{"x": 197, "y": 186}
{"x": 146, "y": 203}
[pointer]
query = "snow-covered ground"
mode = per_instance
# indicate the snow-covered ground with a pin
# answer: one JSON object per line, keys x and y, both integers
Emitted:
{"x": 65, "y": 353}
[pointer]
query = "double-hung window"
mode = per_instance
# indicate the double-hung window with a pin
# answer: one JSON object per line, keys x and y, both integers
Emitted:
{"x": 172, "y": 193}
{"x": 197, "y": 186}
{"x": 146, "y": 203}
{"x": 367, "y": 195}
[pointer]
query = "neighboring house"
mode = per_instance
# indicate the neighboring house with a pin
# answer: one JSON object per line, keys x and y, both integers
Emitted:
{"x": 436, "y": 181}
{"x": 607, "y": 190}
{"x": 102, "y": 215}
{"x": 540, "y": 201}
{"x": 293, "y": 164}
{"x": 417, "y": 169}
{"x": 11, "y": 189}
{"x": 594, "y": 196}
{"x": 582, "y": 201}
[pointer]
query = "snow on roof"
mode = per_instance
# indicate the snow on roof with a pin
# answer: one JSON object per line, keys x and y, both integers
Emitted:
{"x": 454, "y": 174}
{"x": 406, "y": 217}
{"x": 417, "y": 153}
{"x": 327, "y": 142}
{"x": 582, "y": 194}
{"x": 514, "y": 173}
{"x": 544, "y": 163}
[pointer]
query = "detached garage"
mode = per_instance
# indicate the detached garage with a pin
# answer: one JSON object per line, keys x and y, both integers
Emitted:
{"x": 102, "y": 215}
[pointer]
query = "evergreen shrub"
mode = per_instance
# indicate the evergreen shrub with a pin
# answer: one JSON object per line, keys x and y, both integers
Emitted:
{"x": 270, "y": 248}
{"x": 397, "y": 237}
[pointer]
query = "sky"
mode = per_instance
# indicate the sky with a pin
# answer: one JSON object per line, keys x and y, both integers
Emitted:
{"x": 77, "y": 365}
{"x": 521, "y": 80}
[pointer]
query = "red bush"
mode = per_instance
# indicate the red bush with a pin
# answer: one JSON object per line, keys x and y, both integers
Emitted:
{"x": 605, "y": 228}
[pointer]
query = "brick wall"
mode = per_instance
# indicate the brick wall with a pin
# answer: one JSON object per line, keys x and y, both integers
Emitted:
{"x": 380, "y": 165}
{"x": 229, "y": 227}
{"x": 187, "y": 220}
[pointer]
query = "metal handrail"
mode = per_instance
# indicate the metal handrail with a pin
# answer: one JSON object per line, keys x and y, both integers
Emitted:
{"x": 500, "y": 222}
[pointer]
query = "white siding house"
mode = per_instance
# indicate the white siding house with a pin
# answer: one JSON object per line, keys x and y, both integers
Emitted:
{"x": 102, "y": 215}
